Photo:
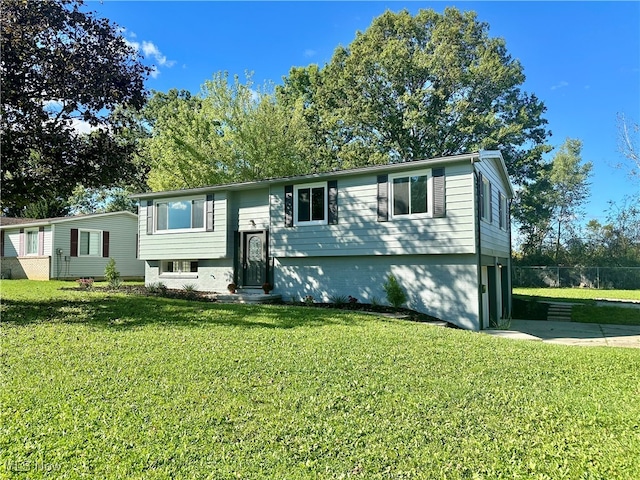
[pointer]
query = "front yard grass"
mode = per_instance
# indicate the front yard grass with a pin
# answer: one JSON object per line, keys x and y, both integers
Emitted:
{"x": 107, "y": 385}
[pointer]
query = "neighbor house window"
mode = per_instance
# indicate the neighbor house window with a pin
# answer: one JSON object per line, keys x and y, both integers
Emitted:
{"x": 486, "y": 200}
{"x": 311, "y": 204}
{"x": 180, "y": 215}
{"x": 180, "y": 267}
{"x": 32, "y": 239}
{"x": 409, "y": 194}
{"x": 90, "y": 243}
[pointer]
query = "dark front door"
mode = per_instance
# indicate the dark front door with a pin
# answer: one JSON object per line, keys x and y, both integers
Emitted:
{"x": 254, "y": 261}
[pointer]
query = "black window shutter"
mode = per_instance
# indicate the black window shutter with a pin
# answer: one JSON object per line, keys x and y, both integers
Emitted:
{"x": 21, "y": 244}
{"x": 105, "y": 244}
{"x": 193, "y": 267}
{"x": 490, "y": 204}
{"x": 333, "y": 202}
{"x": 74, "y": 243}
{"x": 288, "y": 205}
{"x": 383, "y": 198}
{"x": 439, "y": 200}
{"x": 149, "y": 217}
{"x": 481, "y": 195}
{"x": 210, "y": 218}
{"x": 137, "y": 246}
{"x": 1, "y": 243}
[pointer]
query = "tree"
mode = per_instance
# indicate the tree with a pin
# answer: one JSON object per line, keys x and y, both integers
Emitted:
{"x": 629, "y": 145}
{"x": 569, "y": 181}
{"x": 63, "y": 69}
{"x": 413, "y": 87}
{"x": 229, "y": 132}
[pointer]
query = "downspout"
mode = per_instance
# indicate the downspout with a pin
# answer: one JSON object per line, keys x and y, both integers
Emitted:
{"x": 476, "y": 207}
{"x": 509, "y": 260}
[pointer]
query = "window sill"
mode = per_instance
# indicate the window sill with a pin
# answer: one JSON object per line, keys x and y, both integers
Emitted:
{"x": 178, "y": 275}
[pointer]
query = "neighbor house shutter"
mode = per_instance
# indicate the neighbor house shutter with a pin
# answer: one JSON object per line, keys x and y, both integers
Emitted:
{"x": 74, "y": 242}
{"x": 209, "y": 209}
{"x": 1, "y": 243}
{"x": 149, "y": 217}
{"x": 333, "y": 202}
{"x": 41, "y": 241}
{"x": 288, "y": 205}
{"x": 21, "y": 243}
{"x": 105, "y": 244}
{"x": 383, "y": 198}
{"x": 439, "y": 201}
{"x": 137, "y": 246}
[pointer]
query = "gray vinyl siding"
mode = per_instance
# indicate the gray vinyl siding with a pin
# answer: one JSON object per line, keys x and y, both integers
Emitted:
{"x": 122, "y": 247}
{"x": 359, "y": 232}
{"x": 495, "y": 241}
{"x": 187, "y": 245}
{"x": 444, "y": 286}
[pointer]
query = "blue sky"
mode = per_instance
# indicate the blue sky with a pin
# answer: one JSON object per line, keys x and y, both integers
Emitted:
{"x": 582, "y": 59}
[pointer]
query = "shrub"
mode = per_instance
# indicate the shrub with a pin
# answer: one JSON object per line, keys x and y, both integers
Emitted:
{"x": 308, "y": 300}
{"x": 395, "y": 293}
{"x": 111, "y": 274}
{"x": 189, "y": 290}
{"x": 338, "y": 299}
{"x": 85, "y": 283}
{"x": 157, "y": 288}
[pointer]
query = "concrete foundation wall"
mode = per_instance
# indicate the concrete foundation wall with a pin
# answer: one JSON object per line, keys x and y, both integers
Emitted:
{"x": 32, "y": 268}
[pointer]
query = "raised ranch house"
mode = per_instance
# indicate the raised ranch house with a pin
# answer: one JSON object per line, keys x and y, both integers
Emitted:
{"x": 70, "y": 247}
{"x": 441, "y": 226}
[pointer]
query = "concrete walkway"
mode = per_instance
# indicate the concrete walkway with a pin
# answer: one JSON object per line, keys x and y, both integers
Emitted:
{"x": 570, "y": 333}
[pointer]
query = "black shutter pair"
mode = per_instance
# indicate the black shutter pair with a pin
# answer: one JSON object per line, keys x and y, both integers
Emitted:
{"x": 439, "y": 203}
{"x": 332, "y": 199}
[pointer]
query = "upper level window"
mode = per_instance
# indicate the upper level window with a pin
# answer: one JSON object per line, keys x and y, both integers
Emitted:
{"x": 180, "y": 215}
{"x": 32, "y": 237}
{"x": 409, "y": 194}
{"x": 502, "y": 211}
{"x": 486, "y": 200}
{"x": 90, "y": 243}
{"x": 311, "y": 204}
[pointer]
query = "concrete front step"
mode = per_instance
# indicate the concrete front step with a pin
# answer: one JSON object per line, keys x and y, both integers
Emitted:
{"x": 248, "y": 297}
{"x": 559, "y": 312}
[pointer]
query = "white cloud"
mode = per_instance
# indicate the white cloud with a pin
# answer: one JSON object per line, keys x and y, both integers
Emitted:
{"x": 310, "y": 53}
{"x": 81, "y": 126}
{"x": 149, "y": 49}
{"x": 154, "y": 72}
{"x": 562, "y": 84}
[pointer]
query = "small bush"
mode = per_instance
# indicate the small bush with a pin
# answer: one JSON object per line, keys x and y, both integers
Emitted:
{"x": 395, "y": 293}
{"x": 111, "y": 274}
{"x": 85, "y": 283}
{"x": 157, "y": 288}
{"x": 338, "y": 299}
{"x": 189, "y": 291}
{"x": 308, "y": 300}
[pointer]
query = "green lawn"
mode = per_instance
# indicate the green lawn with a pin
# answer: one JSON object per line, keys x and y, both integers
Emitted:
{"x": 587, "y": 311}
{"x": 100, "y": 385}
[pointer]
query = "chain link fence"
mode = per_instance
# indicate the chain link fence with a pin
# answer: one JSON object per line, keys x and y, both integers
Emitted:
{"x": 623, "y": 278}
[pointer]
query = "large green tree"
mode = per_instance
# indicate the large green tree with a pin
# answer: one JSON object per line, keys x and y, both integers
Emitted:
{"x": 229, "y": 132}
{"x": 569, "y": 179}
{"x": 413, "y": 87}
{"x": 61, "y": 69}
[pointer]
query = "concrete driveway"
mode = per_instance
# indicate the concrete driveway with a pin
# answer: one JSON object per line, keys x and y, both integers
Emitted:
{"x": 570, "y": 333}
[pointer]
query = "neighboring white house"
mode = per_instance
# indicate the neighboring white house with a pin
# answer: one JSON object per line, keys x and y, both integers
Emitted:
{"x": 441, "y": 226}
{"x": 69, "y": 247}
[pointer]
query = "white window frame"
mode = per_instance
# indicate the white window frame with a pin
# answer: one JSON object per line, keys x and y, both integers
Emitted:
{"x": 27, "y": 232}
{"x": 502, "y": 213}
{"x": 418, "y": 173}
{"x": 296, "y": 210}
{"x": 190, "y": 201}
{"x": 181, "y": 273}
{"x": 89, "y": 232}
{"x": 486, "y": 199}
